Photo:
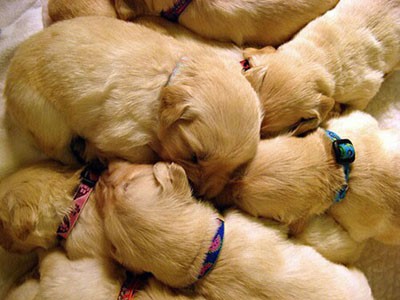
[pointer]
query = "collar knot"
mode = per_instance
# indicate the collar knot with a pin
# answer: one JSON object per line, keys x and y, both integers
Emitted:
{"x": 344, "y": 155}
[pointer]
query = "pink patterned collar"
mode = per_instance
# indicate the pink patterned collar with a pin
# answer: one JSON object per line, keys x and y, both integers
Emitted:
{"x": 89, "y": 177}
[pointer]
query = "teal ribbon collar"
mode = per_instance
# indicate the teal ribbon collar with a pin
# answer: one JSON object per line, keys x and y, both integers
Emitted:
{"x": 345, "y": 155}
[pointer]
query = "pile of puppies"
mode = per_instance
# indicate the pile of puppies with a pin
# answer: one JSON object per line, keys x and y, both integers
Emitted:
{"x": 192, "y": 204}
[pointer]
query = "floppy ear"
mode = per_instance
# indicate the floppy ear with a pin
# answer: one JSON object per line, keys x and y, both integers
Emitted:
{"x": 316, "y": 117}
{"x": 130, "y": 9}
{"x": 171, "y": 175}
{"x": 23, "y": 221}
{"x": 249, "y": 52}
{"x": 174, "y": 106}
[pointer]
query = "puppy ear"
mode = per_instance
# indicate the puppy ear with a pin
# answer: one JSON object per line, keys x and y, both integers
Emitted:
{"x": 174, "y": 106}
{"x": 249, "y": 52}
{"x": 171, "y": 175}
{"x": 254, "y": 55}
{"x": 24, "y": 221}
{"x": 316, "y": 117}
{"x": 130, "y": 9}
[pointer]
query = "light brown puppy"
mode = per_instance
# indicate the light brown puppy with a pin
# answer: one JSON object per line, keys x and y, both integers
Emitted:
{"x": 265, "y": 22}
{"x": 92, "y": 278}
{"x": 136, "y": 94}
{"x": 156, "y": 226}
{"x": 59, "y": 10}
{"x": 341, "y": 56}
{"x": 34, "y": 201}
{"x": 292, "y": 179}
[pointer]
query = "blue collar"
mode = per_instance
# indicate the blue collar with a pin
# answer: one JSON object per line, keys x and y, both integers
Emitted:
{"x": 175, "y": 11}
{"x": 345, "y": 155}
{"x": 213, "y": 251}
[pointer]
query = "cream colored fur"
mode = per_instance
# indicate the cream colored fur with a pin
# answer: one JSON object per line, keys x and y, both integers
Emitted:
{"x": 156, "y": 226}
{"x": 264, "y": 22}
{"x": 343, "y": 56}
{"x": 59, "y": 10}
{"x": 113, "y": 85}
{"x": 91, "y": 278}
{"x": 34, "y": 201}
{"x": 292, "y": 179}
{"x": 330, "y": 239}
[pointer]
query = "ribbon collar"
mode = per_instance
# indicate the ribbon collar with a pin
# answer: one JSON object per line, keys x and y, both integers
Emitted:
{"x": 88, "y": 179}
{"x": 176, "y": 10}
{"x": 345, "y": 155}
{"x": 214, "y": 250}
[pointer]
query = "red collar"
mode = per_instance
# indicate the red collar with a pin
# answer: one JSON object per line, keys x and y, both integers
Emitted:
{"x": 175, "y": 11}
{"x": 89, "y": 177}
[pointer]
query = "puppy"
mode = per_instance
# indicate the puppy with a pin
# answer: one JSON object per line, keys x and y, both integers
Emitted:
{"x": 265, "y": 22}
{"x": 156, "y": 226}
{"x": 34, "y": 201}
{"x": 91, "y": 278}
{"x": 292, "y": 179}
{"x": 114, "y": 86}
{"x": 341, "y": 56}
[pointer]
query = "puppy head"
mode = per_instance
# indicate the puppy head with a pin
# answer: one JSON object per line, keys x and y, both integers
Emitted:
{"x": 143, "y": 206}
{"x": 292, "y": 94}
{"x": 29, "y": 203}
{"x": 209, "y": 123}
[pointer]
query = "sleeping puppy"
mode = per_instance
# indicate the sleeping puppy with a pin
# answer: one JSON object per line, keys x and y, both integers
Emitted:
{"x": 265, "y": 22}
{"x": 292, "y": 179}
{"x": 34, "y": 201}
{"x": 133, "y": 93}
{"x": 341, "y": 56}
{"x": 156, "y": 226}
{"x": 92, "y": 278}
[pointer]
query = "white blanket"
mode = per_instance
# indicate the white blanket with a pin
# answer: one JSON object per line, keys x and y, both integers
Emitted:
{"x": 381, "y": 264}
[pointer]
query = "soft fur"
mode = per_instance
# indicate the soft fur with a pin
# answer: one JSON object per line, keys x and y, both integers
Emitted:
{"x": 292, "y": 179}
{"x": 133, "y": 93}
{"x": 263, "y": 22}
{"x": 91, "y": 278}
{"x": 34, "y": 201}
{"x": 341, "y": 56}
{"x": 156, "y": 226}
{"x": 59, "y": 10}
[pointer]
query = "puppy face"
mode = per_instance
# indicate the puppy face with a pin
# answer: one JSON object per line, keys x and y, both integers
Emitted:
{"x": 28, "y": 214}
{"x": 209, "y": 124}
{"x": 141, "y": 204}
{"x": 292, "y": 96}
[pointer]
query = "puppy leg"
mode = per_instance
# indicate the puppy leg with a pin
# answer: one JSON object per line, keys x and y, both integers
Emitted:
{"x": 330, "y": 240}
